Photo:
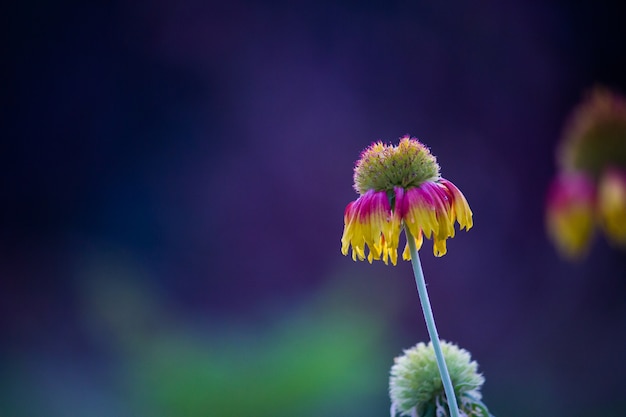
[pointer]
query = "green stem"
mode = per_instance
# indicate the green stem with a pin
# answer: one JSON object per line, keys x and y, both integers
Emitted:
{"x": 430, "y": 325}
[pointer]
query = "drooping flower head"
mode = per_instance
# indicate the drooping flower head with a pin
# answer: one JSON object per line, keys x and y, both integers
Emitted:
{"x": 590, "y": 188}
{"x": 400, "y": 186}
{"x": 416, "y": 388}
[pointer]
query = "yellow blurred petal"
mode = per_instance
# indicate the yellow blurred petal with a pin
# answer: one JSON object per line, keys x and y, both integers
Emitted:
{"x": 612, "y": 205}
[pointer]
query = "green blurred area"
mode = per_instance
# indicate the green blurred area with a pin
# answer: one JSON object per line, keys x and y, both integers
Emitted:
{"x": 311, "y": 365}
{"x": 326, "y": 355}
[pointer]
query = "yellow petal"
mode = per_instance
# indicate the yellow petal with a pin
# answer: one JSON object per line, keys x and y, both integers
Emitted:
{"x": 612, "y": 205}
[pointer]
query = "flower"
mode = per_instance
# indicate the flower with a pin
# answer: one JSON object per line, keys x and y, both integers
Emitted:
{"x": 400, "y": 186}
{"x": 590, "y": 188}
{"x": 415, "y": 385}
{"x": 570, "y": 213}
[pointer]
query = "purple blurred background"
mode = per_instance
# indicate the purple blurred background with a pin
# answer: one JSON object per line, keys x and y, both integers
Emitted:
{"x": 173, "y": 177}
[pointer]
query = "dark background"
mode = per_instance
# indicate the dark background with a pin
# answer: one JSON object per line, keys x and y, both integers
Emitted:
{"x": 173, "y": 176}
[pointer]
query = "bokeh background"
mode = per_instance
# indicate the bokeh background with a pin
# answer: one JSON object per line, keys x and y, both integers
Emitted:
{"x": 173, "y": 176}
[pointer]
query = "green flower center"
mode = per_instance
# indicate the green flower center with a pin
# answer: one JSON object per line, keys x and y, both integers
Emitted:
{"x": 383, "y": 167}
{"x": 596, "y": 136}
{"x": 602, "y": 146}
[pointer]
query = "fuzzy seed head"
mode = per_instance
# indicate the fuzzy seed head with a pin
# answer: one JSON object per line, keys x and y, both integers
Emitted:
{"x": 595, "y": 136}
{"x": 415, "y": 386}
{"x": 383, "y": 167}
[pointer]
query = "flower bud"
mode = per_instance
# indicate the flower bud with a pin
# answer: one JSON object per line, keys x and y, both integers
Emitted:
{"x": 416, "y": 388}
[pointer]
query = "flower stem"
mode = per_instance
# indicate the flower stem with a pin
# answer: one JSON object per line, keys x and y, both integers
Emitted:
{"x": 430, "y": 325}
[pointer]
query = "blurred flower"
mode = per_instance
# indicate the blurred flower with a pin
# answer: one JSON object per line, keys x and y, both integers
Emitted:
{"x": 400, "y": 186}
{"x": 416, "y": 389}
{"x": 591, "y": 185}
{"x": 570, "y": 213}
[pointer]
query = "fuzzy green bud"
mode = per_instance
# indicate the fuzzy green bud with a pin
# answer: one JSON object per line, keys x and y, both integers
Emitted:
{"x": 415, "y": 385}
{"x": 383, "y": 167}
